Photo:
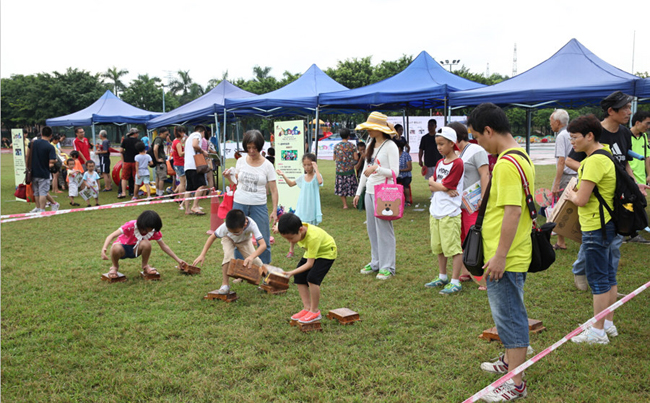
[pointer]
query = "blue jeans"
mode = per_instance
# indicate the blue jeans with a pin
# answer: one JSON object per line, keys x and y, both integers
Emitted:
{"x": 506, "y": 298}
{"x": 259, "y": 214}
{"x": 601, "y": 258}
{"x": 579, "y": 266}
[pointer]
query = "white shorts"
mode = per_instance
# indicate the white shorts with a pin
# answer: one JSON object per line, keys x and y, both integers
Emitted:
{"x": 73, "y": 189}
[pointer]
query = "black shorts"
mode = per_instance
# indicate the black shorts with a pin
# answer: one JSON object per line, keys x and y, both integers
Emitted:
{"x": 194, "y": 180}
{"x": 316, "y": 274}
{"x": 105, "y": 165}
{"x": 405, "y": 181}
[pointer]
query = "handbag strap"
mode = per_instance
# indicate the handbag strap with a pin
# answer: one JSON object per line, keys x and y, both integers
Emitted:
{"x": 524, "y": 181}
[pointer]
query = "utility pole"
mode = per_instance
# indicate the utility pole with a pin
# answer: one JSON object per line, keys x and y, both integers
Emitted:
{"x": 514, "y": 62}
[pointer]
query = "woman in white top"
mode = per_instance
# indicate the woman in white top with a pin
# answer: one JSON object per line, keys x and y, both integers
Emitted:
{"x": 252, "y": 174}
{"x": 382, "y": 161}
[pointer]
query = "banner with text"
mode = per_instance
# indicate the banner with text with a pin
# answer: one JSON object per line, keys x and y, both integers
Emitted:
{"x": 19, "y": 149}
{"x": 289, "y": 149}
{"x": 418, "y": 127}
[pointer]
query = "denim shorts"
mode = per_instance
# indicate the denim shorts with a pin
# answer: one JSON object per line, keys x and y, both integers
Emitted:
{"x": 600, "y": 258}
{"x": 180, "y": 170}
{"x": 506, "y": 298}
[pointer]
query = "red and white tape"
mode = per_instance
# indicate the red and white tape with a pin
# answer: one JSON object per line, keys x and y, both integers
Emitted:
{"x": 142, "y": 202}
{"x": 557, "y": 344}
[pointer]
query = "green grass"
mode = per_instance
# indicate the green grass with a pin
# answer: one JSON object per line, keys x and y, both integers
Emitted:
{"x": 67, "y": 336}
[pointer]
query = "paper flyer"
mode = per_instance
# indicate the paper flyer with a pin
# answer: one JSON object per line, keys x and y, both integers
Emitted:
{"x": 289, "y": 149}
{"x": 471, "y": 197}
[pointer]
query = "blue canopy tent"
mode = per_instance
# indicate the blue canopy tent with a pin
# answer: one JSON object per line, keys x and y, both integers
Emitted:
{"x": 202, "y": 108}
{"x": 423, "y": 84}
{"x": 107, "y": 109}
{"x": 643, "y": 90}
{"x": 297, "y": 98}
{"x": 572, "y": 77}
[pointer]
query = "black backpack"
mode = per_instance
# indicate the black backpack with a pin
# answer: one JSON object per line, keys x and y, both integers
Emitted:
{"x": 629, "y": 203}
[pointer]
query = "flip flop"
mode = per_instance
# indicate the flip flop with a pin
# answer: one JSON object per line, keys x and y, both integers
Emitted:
{"x": 197, "y": 213}
{"x": 464, "y": 278}
{"x": 558, "y": 247}
{"x": 152, "y": 270}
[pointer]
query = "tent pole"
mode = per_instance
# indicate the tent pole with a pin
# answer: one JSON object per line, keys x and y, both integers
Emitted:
{"x": 225, "y": 134}
{"x": 317, "y": 125}
{"x": 445, "y": 112}
{"x": 529, "y": 119}
{"x": 93, "y": 130}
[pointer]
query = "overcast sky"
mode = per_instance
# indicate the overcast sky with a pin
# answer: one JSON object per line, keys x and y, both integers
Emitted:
{"x": 209, "y": 38}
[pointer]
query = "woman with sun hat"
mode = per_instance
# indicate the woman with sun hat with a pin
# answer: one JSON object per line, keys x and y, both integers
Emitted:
{"x": 381, "y": 163}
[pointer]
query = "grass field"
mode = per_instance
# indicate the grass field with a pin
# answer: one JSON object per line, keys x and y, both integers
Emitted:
{"x": 67, "y": 336}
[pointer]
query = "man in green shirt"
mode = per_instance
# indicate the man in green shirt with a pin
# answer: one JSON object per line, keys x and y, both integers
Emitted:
{"x": 640, "y": 145}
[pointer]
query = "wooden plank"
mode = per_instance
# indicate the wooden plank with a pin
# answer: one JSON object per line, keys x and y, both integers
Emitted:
{"x": 119, "y": 279}
{"x": 230, "y": 297}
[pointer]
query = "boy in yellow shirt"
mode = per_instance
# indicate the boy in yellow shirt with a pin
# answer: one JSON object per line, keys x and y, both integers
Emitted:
{"x": 320, "y": 253}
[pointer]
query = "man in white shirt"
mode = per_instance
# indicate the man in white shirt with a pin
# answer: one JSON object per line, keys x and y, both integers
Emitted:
{"x": 559, "y": 121}
{"x": 195, "y": 180}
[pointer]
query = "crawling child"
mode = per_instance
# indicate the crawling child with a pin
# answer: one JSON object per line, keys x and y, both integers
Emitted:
{"x": 133, "y": 240}
{"x": 235, "y": 232}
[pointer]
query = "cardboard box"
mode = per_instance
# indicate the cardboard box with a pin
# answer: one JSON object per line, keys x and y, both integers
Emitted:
{"x": 565, "y": 215}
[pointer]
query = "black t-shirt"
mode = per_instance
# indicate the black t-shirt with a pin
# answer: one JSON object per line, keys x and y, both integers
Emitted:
{"x": 42, "y": 152}
{"x": 619, "y": 143}
{"x": 106, "y": 146}
{"x": 431, "y": 153}
{"x": 128, "y": 145}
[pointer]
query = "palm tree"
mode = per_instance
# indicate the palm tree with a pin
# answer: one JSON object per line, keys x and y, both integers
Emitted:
{"x": 114, "y": 75}
{"x": 181, "y": 84}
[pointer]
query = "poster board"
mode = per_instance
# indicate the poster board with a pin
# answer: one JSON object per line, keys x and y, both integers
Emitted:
{"x": 20, "y": 163}
{"x": 419, "y": 126}
{"x": 289, "y": 149}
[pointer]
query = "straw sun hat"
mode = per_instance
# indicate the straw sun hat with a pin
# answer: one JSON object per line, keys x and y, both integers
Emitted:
{"x": 378, "y": 121}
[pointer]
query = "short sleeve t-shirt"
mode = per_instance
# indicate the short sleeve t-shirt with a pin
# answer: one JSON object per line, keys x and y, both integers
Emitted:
{"x": 91, "y": 178}
{"x": 563, "y": 148}
{"x": 143, "y": 164}
{"x": 600, "y": 170}
{"x": 106, "y": 146}
{"x": 404, "y": 159}
{"x": 83, "y": 146}
{"x": 161, "y": 148}
{"x": 640, "y": 146}
{"x": 128, "y": 145}
{"x": 450, "y": 175}
{"x": 251, "y": 186}
{"x": 619, "y": 143}
{"x": 42, "y": 152}
{"x": 250, "y": 228}
{"x": 128, "y": 234}
{"x": 430, "y": 148}
{"x": 189, "y": 151}
{"x": 474, "y": 156}
{"x": 318, "y": 244}
{"x": 507, "y": 190}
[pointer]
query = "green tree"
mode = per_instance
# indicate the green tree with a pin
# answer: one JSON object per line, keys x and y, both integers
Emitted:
{"x": 352, "y": 73}
{"x": 387, "y": 69}
{"x": 145, "y": 93}
{"x": 114, "y": 75}
{"x": 184, "y": 86}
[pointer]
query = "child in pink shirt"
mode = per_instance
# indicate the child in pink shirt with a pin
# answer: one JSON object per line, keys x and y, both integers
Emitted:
{"x": 133, "y": 239}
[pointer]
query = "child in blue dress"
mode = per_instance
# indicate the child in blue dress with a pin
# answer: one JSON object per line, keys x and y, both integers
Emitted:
{"x": 308, "y": 206}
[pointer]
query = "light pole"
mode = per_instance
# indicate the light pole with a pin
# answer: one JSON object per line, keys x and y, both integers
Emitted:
{"x": 163, "y": 91}
{"x": 448, "y": 63}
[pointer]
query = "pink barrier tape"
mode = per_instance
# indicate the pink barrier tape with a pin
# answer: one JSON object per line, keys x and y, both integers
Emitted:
{"x": 555, "y": 345}
{"x": 143, "y": 202}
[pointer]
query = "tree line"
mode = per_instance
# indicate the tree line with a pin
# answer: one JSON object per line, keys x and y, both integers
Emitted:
{"x": 28, "y": 100}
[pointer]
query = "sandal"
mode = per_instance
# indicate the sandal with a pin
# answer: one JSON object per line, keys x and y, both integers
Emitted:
{"x": 150, "y": 271}
{"x": 464, "y": 277}
{"x": 289, "y": 255}
{"x": 74, "y": 204}
{"x": 121, "y": 196}
{"x": 112, "y": 272}
{"x": 558, "y": 247}
{"x": 197, "y": 212}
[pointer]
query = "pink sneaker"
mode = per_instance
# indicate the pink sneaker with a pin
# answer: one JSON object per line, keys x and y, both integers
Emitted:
{"x": 300, "y": 314}
{"x": 310, "y": 317}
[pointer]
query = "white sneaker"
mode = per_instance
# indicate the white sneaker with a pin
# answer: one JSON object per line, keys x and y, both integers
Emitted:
{"x": 611, "y": 331}
{"x": 590, "y": 337}
{"x": 506, "y": 393}
{"x": 55, "y": 207}
{"x": 35, "y": 210}
{"x": 224, "y": 290}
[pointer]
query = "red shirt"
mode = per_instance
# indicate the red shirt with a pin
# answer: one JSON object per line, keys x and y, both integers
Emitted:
{"x": 178, "y": 160}
{"x": 83, "y": 146}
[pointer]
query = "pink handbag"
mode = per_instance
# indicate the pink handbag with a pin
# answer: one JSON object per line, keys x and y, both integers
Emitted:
{"x": 389, "y": 200}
